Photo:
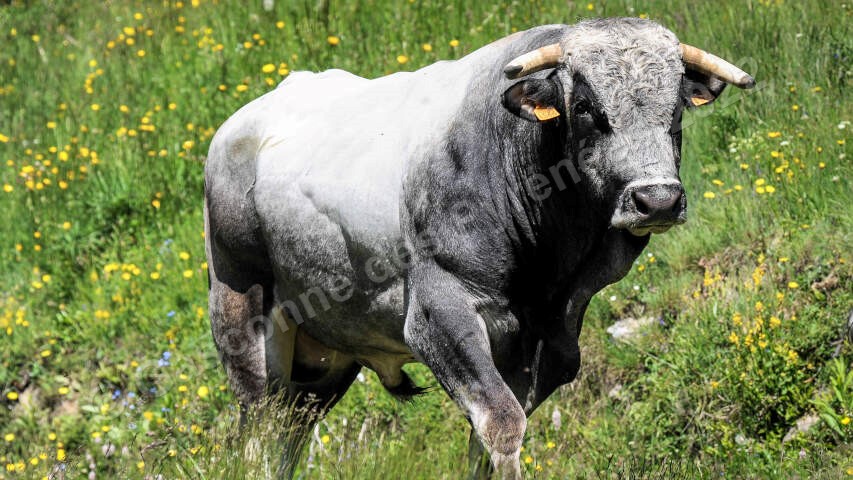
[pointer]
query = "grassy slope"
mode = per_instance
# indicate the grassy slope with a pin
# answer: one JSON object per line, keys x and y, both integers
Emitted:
{"x": 103, "y": 270}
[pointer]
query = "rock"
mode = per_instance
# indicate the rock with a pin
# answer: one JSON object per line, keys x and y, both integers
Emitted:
{"x": 556, "y": 419}
{"x": 629, "y": 329}
{"x": 803, "y": 425}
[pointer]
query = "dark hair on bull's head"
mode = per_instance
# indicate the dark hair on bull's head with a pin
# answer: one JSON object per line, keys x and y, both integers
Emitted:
{"x": 623, "y": 84}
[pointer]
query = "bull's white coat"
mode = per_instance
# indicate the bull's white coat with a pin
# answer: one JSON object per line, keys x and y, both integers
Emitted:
{"x": 328, "y": 153}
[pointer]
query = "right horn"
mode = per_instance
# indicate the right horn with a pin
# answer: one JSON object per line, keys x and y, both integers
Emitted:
{"x": 710, "y": 64}
{"x": 548, "y": 56}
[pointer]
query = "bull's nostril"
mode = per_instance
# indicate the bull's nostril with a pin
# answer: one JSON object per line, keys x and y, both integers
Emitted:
{"x": 641, "y": 202}
{"x": 657, "y": 203}
{"x": 675, "y": 206}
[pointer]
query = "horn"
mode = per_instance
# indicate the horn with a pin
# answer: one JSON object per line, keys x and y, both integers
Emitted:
{"x": 545, "y": 57}
{"x": 710, "y": 64}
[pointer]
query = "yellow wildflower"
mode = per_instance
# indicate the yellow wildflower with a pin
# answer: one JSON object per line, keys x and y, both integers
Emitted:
{"x": 737, "y": 319}
{"x": 734, "y": 338}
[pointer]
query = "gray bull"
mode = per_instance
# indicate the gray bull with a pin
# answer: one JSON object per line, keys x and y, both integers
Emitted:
{"x": 450, "y": 216}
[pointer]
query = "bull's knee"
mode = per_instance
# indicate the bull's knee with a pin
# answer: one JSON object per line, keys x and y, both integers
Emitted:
{"x": 500, "y": 425}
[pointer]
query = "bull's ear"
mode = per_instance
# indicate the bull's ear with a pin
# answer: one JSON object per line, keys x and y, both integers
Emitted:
{"x": 533, "y": 99}
{"x": 699, "y": 89}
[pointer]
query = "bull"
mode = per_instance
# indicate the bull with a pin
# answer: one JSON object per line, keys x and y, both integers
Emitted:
{"x": 461, "y": 215}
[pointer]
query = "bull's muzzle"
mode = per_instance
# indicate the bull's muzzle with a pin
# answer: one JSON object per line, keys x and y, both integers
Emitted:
{"x": 650, "y": 208}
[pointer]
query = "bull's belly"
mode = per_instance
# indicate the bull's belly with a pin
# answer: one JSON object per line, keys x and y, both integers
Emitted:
{"x": 365, "y": 327}
{"x": 356, "y": 323}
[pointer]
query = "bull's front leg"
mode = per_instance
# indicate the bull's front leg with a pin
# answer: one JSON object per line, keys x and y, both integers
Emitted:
{"x": 445, "y": 332}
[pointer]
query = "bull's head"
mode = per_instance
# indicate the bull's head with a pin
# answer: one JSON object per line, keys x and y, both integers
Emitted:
{"x": 622, "y": 84}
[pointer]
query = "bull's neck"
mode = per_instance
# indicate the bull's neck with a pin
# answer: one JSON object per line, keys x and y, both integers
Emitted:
{"x": 554, "y": 224}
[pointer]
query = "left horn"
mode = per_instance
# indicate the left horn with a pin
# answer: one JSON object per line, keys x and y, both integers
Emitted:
{"x": 548, "y": 56}
{"x": 710, "y": 64}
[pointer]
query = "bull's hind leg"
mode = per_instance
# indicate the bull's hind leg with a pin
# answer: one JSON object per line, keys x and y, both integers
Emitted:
{"x": 237, "y": 326}
{"x": 308, "y": 377}
{"x": 239, "y": 289}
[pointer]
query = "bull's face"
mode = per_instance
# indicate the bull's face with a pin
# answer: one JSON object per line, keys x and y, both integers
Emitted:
{"x": 622, "y": 89}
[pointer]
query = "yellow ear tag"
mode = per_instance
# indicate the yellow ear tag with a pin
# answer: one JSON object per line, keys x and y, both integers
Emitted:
{"x": 699, "y": 101}
{"x": 545, "y": 113}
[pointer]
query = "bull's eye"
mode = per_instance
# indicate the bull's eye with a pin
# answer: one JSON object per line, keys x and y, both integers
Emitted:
{"x": 583, "y": 108}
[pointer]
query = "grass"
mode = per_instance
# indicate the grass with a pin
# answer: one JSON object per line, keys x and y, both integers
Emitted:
{"x": 107, "y": 363}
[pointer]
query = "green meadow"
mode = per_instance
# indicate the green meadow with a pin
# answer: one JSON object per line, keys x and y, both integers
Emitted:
{"x": 108, "y": 368}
